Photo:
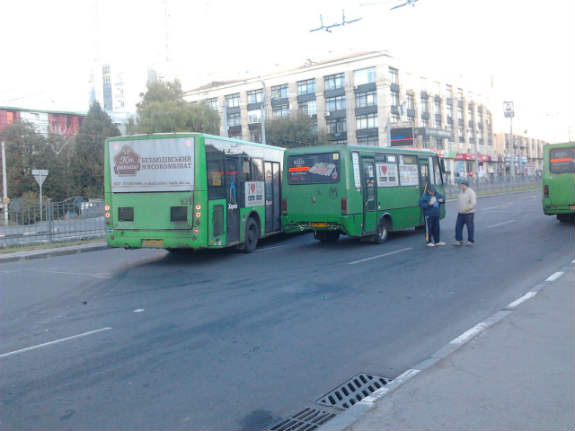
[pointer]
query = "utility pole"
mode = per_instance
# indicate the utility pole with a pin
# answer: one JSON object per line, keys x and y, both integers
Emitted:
{"x": 476, "y": 163}
{"x": 509, "y": 112}
{"x": 4, "y": 185}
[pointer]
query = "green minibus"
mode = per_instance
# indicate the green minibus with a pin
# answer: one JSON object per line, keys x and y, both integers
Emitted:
{"x": 559, "y": 180}
{"x": 190, "y": 191}
{"x": 359, "y": 191}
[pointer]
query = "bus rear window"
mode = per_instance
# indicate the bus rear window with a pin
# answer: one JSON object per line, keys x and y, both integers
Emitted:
{"x": 562, "y": 160}
{"x": 314, "y": 169}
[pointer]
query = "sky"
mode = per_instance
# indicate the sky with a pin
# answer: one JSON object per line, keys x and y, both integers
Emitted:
{"x": 503, "y": 49}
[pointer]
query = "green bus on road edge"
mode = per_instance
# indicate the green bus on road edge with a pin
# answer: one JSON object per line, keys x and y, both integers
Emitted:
{"x": 559, "y": 181}
{"x": 360, "y": 191}
{"x": 190, "y": 191}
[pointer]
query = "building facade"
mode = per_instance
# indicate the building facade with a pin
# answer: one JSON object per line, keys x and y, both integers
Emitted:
{"x": 359, "y": 99}
{"x": 527, "y": 153}
{"x": 45, "y": 122}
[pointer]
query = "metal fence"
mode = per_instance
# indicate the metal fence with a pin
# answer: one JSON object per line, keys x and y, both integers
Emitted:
{"x": 71, "y": 219}
{"x": 496, "y": 185}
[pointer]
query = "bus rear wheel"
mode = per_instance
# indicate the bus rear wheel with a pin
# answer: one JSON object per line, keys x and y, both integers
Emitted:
{"x": 252, "y": 236}
{"x": 326, "y": 235}
{"x": 382, "y": 232}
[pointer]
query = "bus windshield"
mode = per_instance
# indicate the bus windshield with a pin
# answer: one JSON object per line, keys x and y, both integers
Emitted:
{"x": 562, "y": 160}
{"x": 314, "y": 169}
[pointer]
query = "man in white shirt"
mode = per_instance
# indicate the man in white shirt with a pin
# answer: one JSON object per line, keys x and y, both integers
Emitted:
{"x": 466, "y": 203}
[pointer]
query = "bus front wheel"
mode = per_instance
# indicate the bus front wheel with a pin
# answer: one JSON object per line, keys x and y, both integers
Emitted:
{"x": 252, "y": 236}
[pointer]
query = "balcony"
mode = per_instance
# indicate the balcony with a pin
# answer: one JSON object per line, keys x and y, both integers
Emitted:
{"x": 366, "y": 110}
{"x": 411, "y": 113}
{"x": 395, "y": 109}
{"x": 334, "y": 92}
{"x": 303, "y": 98}
{"x": 365, "y": 88}
{"x": 337, "y": 136}
{"x": 254, "y": 106}
{"x": 366, "y": 133}
{"x": 234, "y": 130}
{"x": 335, "y": 114}
{"x": 394, "y": 87}
{"x": 280, "y": 101}
{"x": 233, "y": 110}
{"x": 425, "y": 115}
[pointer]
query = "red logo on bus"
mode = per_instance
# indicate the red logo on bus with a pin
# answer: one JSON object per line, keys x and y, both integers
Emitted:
{"x": 252, "y": 187}
{"x": 126, "y": 162}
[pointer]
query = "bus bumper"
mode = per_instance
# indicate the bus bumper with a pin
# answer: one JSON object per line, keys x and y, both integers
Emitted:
{"x": 558, "y": 209}
{"x": 125, "y": 238}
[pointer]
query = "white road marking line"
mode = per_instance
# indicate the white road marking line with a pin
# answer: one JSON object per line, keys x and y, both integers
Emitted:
{"x": 379, "y": 255}
{"x": 139, "y": 310}
{"x": 500, "y": 224}
{"x": 270, "y": 248}
{"x": 490, "y": 208}
{"x": 84, "y": 274}
{"x": 61, "y": 340}
{"x": 555, "y": 276}
{"x": 522, "y": 299}
{"x": 469, "y": 334}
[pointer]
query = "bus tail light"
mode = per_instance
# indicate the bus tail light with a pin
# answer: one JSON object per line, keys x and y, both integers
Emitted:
{"x": 343, "y": 205}
{"x": 196, "y": 230}
{"x": 284, "y": 206}
{"x": 546, "y": 190}
{"x": 107, "y": 207}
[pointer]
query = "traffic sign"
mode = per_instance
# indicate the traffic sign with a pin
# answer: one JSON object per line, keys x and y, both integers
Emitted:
{"x": 508, "y": 109}
{"x": 40, "y": 175}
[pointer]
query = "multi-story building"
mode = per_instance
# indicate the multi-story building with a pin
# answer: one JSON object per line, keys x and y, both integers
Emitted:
{"x": 527, "y": 151}
{"x": 44, "y": 122}
{"x": 358, "y": 99}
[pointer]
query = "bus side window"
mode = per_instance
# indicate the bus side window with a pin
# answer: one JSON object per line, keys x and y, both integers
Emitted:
{"x": 437, "y": 177}
{"x": 257, "y": 170}
{"x": 215, "y": 169}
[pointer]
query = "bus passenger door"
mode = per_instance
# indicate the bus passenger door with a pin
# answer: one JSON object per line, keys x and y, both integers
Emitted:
{"x": 232, "y": 196}
{"x": 424, "y": 180}
{"x": 369, "y": 197}
{"x": 271, "y": 184}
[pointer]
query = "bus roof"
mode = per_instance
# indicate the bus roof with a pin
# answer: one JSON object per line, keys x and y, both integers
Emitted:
{"x": 185, "y": 134}
{"x": 560, "y": 145}
{"x": 331, "y": 148}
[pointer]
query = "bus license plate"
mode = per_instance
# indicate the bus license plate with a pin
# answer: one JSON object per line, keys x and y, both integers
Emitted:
{"x": 152, "y": 243}
{"x": 319, "y": 225}
{"x": 572, "y": 207}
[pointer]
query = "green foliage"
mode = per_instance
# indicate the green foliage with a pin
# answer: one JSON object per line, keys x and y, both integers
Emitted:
{"x": 294, "y": 131}
{"x": 87, "y": 161}
{"x": 163, "y": 109}
{"x": 23, "y": 149}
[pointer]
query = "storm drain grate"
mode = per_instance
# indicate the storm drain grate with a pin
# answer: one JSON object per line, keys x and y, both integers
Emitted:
{"x": 306, "y": 420}
{"x": 353, "y": 391}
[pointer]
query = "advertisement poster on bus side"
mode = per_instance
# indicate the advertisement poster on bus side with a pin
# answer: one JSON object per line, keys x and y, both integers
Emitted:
{"x": 408, "y": 174}
{"x": 254, "y": 193}
{"x": 152, "y": 165}
{"x": 387, "y": 175}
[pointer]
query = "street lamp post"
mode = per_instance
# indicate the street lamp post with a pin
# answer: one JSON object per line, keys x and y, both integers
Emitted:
{"x": 509, "y": 112}
{"x": 4, "y": 185}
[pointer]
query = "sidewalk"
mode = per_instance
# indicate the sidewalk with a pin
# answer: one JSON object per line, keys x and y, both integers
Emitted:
{"x": 49, "y": 252}
{"x": 518, "y": 374}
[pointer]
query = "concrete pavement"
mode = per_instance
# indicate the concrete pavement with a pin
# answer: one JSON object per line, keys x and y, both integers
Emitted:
{"x": 517, "y": 374}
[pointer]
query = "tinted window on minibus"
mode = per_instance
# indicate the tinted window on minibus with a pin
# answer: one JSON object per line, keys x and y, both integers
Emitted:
{"x": 314, "y": 169}
{"x": 562, "y": 160}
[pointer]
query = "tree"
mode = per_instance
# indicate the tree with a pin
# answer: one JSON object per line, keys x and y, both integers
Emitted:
{"x": 87, "y": 162}
{"x": 23, "y": 146}
{"x": 163, "y": 109}
{"x": 297, "y": 130}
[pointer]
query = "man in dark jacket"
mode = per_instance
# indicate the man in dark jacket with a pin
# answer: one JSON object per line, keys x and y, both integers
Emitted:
{"x": 430, "y": 202}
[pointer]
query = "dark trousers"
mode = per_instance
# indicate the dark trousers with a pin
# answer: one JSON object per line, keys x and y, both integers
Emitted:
{"x": 432, "y": 229}
{"x": 464, "y": 219}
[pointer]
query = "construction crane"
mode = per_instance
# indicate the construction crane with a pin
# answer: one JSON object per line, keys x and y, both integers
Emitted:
{"x": 337, "y": 24}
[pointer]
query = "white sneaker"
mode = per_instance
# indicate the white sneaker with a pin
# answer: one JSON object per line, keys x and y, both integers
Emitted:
{"x": 439, "y": 243}
{"x": 458, "y": 242}
{"x": 430, "y": 244}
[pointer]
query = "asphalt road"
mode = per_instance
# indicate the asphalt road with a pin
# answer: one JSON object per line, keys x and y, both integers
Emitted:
{"x": 224, "y": 340}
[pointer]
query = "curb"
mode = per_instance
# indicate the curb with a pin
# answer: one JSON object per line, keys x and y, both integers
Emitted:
{"x": 350, "y": 416}
{"x": 52, "y": 252}
{"x": 495, "y": 194}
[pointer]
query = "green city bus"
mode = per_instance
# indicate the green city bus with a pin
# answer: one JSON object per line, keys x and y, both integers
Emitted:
{"x": 190, "y": 191}
{"x": 559, "y": 181}
{"x": 363, "y": 192}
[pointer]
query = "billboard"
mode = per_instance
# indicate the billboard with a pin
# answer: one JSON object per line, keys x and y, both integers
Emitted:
{"x": 401, "y": 136}
{"x": 152, "y": 165}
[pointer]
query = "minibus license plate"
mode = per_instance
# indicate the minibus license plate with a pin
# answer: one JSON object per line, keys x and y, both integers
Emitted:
{"x": 152, "y": 243}
{"x": 319, "y": 225}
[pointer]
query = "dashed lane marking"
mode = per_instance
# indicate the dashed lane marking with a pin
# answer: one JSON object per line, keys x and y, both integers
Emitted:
{"x": 555, "y": 276}
{"x": 380, "y": 255}
{"x": 469, "y": 334}
{"x": 61, "y": 340}
{"x": 500, "y": 224}
{"x": 522, "y": 299}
